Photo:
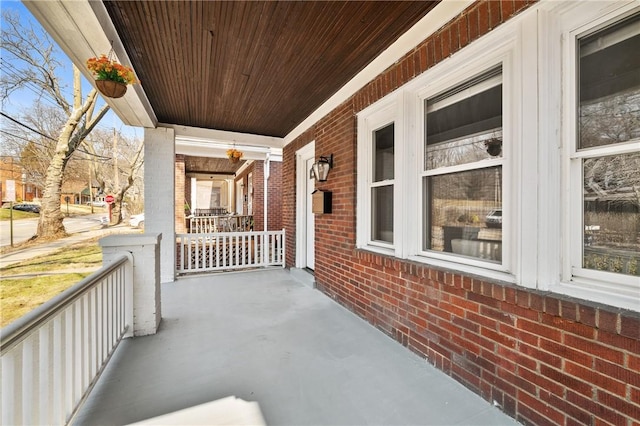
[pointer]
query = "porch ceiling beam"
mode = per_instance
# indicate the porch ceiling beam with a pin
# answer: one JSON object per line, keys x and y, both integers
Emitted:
{"x": 85, "y": 30}
{"x": 196, "y": 134}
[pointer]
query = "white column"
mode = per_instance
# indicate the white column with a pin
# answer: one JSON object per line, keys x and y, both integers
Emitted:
{"x": 145, "y": 250}
{"x": 194, "y": 195}
{"x": 266, "y": 194}
{"x": 159, "y": 194}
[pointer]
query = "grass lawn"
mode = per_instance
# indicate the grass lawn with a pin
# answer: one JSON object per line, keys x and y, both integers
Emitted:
{"x": 74, "y": 210}
{"x": 26, "y": 285}
{"x": 17, "y": 214}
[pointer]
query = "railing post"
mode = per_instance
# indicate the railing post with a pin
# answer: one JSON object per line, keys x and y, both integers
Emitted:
{"x": 144, "y": 274}
{"x": 283, "y": 243}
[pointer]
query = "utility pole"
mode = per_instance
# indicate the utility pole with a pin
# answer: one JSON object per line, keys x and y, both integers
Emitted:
{"x": 116, "y": 179}
{"x": 90, "y": 183}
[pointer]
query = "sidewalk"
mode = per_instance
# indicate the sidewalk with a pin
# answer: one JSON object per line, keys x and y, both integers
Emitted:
{"x": 47, "y": 248}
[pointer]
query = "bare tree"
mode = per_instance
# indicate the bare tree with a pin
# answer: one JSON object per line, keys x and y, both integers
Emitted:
{"x": 32, "y": 53}
{"x": 121, "y": 172}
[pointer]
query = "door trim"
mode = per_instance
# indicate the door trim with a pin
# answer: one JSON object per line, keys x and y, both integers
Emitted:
{"x": 302, "y": 175}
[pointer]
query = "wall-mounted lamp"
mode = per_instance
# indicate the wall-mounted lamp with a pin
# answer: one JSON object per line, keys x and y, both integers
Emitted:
{"x": 320, "y": 169}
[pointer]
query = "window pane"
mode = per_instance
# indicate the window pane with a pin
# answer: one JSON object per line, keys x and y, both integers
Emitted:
{"x": 464, "y": 125}
{"x": 609, "y": 91}
{"x": 382, "y": 213}
{"x": 383, "y": 140}
{"x": 611, "y": 213}
{"x": 464, "y": 213}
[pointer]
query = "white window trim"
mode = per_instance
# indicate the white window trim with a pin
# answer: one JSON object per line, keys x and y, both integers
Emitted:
{"x": 407, "y": 103}
{"x": 375, "y": 117}
{"x": 607, "y": 287}
{"x": 447, "y": 77}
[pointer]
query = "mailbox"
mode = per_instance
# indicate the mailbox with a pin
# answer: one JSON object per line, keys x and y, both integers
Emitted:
{"x": 321, "y": 201}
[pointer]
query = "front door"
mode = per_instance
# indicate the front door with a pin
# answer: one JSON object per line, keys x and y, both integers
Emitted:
{"x": 311, "y": 222}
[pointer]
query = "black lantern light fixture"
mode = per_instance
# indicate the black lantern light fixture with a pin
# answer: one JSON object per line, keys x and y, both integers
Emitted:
{"x": 320, "y": 169}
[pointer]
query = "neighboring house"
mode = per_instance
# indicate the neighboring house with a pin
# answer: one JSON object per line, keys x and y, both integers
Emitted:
{"x": 526, "y": 108}
{"x": 77, "y": 191}
{"x": 12, "y": 170}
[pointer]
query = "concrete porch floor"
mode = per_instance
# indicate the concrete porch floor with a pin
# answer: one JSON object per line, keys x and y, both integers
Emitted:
{"x": 264, "y": 336}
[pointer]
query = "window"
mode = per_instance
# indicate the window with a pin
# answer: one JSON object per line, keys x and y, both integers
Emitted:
{"x": 382, "y": 185}
{"x": 462, "y": 177}
{"x": 605, "y": 164}
{"x": 378, "y": 204}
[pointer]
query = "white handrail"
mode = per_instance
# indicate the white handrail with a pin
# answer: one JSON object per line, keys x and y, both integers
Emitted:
{"x": 52, "y": 357}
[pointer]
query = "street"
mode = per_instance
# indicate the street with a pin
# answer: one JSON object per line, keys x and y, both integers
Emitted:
{"x": 24, "y": 229}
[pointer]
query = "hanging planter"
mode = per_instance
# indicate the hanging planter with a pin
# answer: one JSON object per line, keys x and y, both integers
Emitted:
{"x": 234, "y": 155}
{"x": 111, "y": 89}
{"x": 111, "y": 77}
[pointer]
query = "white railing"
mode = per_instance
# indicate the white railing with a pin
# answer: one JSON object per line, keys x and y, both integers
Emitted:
{"x": 225, "y": 223}
{"x": 52, "y": 357}
{"x": 229, "y": 250}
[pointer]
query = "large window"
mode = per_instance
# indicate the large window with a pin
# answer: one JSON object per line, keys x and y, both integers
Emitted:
{"x": 606, "y": 160}
{"x": 462, "y": 178}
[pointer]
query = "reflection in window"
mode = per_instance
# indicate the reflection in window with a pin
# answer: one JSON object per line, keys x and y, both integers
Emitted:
{"x": 464, "y": 125}
{"x": 609, "y": 88}
{"x": 609, "y": 114}
{"x": 382, "y": 212}
{"x": 383, "y": 153}
{"x": 463, "y": 209}
{"x": 464, "y": 213}
{"x": 611, "y": 213}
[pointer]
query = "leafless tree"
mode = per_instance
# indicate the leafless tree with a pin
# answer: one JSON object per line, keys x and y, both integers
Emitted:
{"x": 121, "y": 172}
{"x": 32, "y": 52}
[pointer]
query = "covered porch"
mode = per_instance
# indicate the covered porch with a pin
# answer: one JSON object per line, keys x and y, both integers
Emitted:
{"x": 268, "y": 336}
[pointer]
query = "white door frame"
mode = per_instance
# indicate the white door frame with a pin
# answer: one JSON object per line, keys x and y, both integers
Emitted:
{"x": 302, "y": 176}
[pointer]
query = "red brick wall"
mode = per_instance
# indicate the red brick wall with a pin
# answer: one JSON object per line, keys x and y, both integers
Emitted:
{"x": 180, "y": 182}
{"x": 274, "y": 198}
{"x": 258, "y": 196}
{"x": 544, "y": 358}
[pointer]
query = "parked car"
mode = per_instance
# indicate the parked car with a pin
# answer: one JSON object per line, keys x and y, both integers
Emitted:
{"x": 33, "y": 208}
{"x": 97, "y": 203}
{"x": 494, "y": 219}
{"x": 137, "y": 221}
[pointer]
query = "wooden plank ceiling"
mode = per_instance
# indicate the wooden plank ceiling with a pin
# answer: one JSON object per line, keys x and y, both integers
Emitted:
{"x": 257, "y": 67}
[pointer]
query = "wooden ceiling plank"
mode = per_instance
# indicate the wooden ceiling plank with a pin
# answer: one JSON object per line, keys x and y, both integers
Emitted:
{"x": 254, "y": 67}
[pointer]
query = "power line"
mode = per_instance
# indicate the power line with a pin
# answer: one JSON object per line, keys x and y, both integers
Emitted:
{"x": 26, "y": 126}
{"x": 48, "y": 137}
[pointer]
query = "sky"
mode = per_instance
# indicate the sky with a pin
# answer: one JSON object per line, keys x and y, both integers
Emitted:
{"x": 22, "y": 100}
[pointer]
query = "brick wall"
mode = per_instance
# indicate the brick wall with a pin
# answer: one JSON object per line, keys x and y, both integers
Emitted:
{"x": 181, "y": 196}
{"x": 543, "y": 358}
{"x": 258, "y": 195}
{"x": 274, "y": 198}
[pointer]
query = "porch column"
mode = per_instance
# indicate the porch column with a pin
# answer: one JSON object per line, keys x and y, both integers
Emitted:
{"x": 159, "y": 195}
{"x": 146, "y": 298}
